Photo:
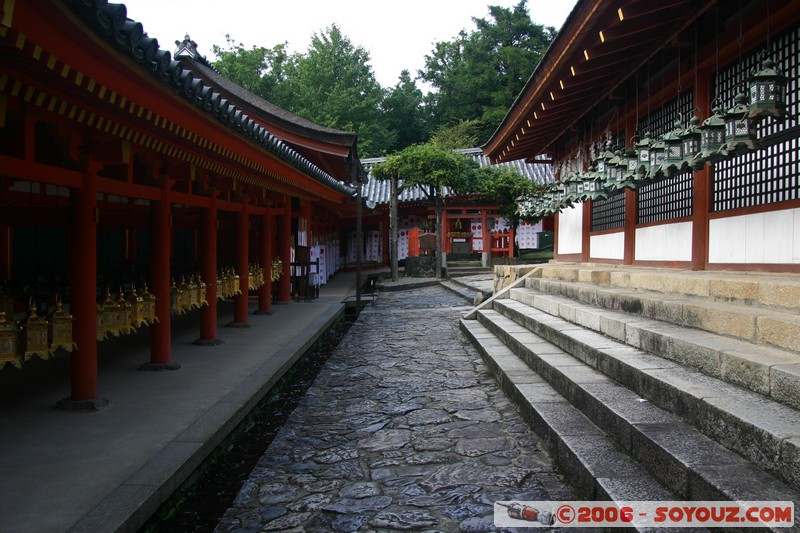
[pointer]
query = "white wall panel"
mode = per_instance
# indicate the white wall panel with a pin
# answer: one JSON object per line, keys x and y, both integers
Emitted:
{"x": 570, "y": 227}
{"x": 770, "y": 237}
{"x": 664, "y": 242}
{"x": 608, "y": 246}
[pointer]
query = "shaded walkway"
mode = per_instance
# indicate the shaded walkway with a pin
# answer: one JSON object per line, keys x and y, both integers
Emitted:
{"x": 110, "y": 470}
{"x": 404, "y": 428}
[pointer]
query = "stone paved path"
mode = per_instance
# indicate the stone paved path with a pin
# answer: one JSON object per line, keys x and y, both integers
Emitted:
{"x": 404, "y": 429}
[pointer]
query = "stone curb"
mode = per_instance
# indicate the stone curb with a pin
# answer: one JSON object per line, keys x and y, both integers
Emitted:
{"x": 407, "y": 286}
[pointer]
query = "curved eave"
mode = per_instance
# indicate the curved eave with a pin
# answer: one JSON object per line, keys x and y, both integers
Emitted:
{"x": 142, "y": 56}
{"x": 581, "y": 67}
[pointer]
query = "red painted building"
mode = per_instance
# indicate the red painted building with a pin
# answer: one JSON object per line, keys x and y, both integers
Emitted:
{"x": 622, "y": 71}
{"x": 124, "y": 167}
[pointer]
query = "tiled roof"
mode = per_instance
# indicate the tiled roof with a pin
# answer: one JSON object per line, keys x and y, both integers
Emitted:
{"x": 110, "y": 21}
{"x": 378, "y": 192}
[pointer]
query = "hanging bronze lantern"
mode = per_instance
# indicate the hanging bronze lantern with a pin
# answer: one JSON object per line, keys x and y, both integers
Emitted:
{"x": 149, "y": 309}
{"x": 690, "y": 143}
{"x": 61, "y": 329}
{"x": 110, "y": 321}
{"x": 628, "y": 161}
{"x": 573, "y": 188}
{"x": 36, "y": 332}
{"x": 643, "y": 148}
{"x": 202, "y": 290}
{"x": 236, "y": 288}
{"x": 592, "y": 185}
{"x": 673, "y": 150}
{"x": 658, "y": 151}
{"x": 138, "y": 317}
{"x": 601, "y": 164}
{"x": 618, "y": 166}
{"x": 192, "y": 296}
{"x": 9, "y": 342}
{"x": 174, "y": 299}
{"x": 712, "y": 140}
{"x": 277, "y": 269}
{"x": 124, "y": 315}
{"x": 768, "y": 92}
{"x": 740, "y": 129}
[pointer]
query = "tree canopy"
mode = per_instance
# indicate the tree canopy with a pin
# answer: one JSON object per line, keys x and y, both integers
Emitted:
{"x": 475, "y": 78}
{"x": 478, "y": 75}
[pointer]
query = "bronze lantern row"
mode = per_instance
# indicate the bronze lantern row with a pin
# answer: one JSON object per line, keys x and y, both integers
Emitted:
{"x": 34, "y": 336}
{"x": 189, "y": 294}
{"x": 123, "y": 315}
{"x": 723, "y": 135}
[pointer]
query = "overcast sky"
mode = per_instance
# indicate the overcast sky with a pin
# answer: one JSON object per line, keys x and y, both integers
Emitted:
{"x": 398, "y": 33}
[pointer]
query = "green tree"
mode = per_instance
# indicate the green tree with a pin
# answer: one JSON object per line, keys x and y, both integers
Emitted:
{"x": 258, "y": 69}
{"x": 478, "y": 75}
{"x": 433, "y": 169}
{"x": 405, "y": 113}
{"x": 333, "y": 85}
{"x": 505, "y": 186}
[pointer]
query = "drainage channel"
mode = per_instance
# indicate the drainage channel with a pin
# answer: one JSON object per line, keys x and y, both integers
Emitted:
{"x": 200, "y": 503}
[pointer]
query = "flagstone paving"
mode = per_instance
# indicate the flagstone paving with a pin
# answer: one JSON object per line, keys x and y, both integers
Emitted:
{"x": 403, "y": 429}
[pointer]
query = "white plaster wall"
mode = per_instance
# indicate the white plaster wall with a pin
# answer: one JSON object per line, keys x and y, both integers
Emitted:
{"x": 607, "y": 246}
{"x": 771, "y": 237}
{"x": 665, "y": 242}
{"x": 570, "y": 226}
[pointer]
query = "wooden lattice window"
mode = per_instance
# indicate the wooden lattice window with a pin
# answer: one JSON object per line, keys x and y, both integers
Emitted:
{"x": 771, "y": 174}
{"x": 666, "y": 199}
{"x": 609, "y": 213}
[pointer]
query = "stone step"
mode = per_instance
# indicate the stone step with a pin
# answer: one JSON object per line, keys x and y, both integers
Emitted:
{"x": 775, "y": 291}
{"x": 765, "y": 432}
{"x": 686, "y": 461}
{"x": 595, "y": 464}
{"x": 769, "y": 371}
{"x": 467, "y": 293}
{"x": 779, "y": 328}
{"x": 466, "y": 271}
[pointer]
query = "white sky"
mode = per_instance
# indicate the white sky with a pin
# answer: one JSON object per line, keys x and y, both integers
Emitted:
{"x": 397, "y": 34}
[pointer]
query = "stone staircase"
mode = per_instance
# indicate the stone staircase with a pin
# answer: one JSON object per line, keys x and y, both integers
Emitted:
{"x": 460, "y": 268}
{"x": 655, "y": 384}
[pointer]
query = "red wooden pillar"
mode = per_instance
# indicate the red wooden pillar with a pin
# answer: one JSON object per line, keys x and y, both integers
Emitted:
{"x": 160, "y": 332}
{"x": 208, "y": 273}
{"x": 265, "y": 293}
{"x": 83, "y": 304}
{"x": 241, "y": 301}
{"x": 701, "y": 184}
{"x": 285, "y": 251}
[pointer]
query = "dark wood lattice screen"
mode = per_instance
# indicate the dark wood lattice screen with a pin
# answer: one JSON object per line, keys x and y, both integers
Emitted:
{"x": 769, "y": 175}
{"x": 668, "y": 198}
{"x": 662, "y": 120}
{"x": 609, "y": 213}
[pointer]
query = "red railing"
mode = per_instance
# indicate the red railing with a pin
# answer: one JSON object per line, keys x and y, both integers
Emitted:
{"x": 503, "y": 243}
